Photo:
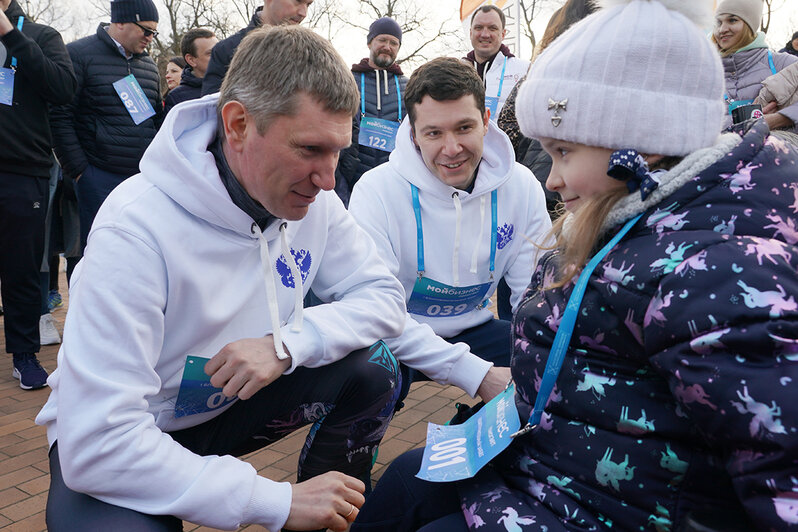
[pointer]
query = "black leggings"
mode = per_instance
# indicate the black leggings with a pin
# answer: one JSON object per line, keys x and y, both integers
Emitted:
{"x": 349, "y": 403}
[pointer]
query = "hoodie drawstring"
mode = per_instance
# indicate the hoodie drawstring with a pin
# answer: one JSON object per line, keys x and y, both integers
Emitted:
{"x": 456, "y": 251}
{"x": 298, "y": 290}
{"x": 481, "y": 232}
{"x": 271, "y": 288}
{"x": 379, "y": 101}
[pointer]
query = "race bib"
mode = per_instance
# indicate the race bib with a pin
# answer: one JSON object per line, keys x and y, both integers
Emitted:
{"x": 136, "y": 102}
{"x": 492, "y": 103}
{"x": 6, "y": 86}
{"x": 377, "y": 133}
{"x": 433, "y": 299}
{"x": 197, "y": 394}
{"x": 456, "y": 452}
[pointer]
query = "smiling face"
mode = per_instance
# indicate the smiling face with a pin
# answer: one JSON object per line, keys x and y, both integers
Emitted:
{"x": 276, "y": 12}
{"x": 382, "y": 51}
{"x": 728, "y": 30}
{"x": 450, "y": 135}
{"x": 486, "y": 34}
{"x": 292, "y": 161}
{"x": 172, "y": 76}
{"x": 578, "y": 172}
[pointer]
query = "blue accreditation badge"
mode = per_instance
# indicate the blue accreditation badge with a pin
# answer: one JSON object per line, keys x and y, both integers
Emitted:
{"x": 433, "y": 299}
{"x": 456, "y": 452}
{"x": 377, "y": 133}
{"x": 492, "y": 103}
{"x": 197, "y": 394}
{"x": 6, "y": 86}
{"x": 133, "y": 97}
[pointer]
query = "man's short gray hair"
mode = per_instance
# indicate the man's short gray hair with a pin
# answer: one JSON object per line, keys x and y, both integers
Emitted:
{"x": 274, "y": 65}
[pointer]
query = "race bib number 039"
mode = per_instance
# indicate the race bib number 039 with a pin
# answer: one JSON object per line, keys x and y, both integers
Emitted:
{"x": 433, "y": 299}
{"x": 456, "y": 452}
{"x": 197, "y": 394}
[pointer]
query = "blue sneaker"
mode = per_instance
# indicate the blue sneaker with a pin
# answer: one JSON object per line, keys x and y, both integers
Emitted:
{"x": 54, "y": 300}
{"x": 30, "y": 373}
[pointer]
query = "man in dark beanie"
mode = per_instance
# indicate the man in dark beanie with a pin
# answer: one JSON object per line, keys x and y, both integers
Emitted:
{"x": 101, "y": 134}
{"x": 382, "y": 85}
{"x": 35, "y": 72}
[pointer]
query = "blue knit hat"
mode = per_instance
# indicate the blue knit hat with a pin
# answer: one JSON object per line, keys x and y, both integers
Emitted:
{"x": 384, "y": 26}
{"x": 133, "y": 11}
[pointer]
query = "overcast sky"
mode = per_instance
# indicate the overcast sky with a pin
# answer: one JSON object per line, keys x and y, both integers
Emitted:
{"x": 83, "y": 18}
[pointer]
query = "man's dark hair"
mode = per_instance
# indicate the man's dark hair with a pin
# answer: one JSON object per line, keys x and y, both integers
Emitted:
{"x": 187, "y": 45}
{"x": 487, "y": 9}
{"x": 444, "y": 78}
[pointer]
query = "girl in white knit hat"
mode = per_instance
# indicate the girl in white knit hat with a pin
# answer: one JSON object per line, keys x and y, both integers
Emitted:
{"x": 747, "y": 60}
{"x": 656, "y": 350}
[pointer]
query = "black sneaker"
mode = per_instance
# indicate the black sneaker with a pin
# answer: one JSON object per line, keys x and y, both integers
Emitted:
{"x": 30, "y": 373}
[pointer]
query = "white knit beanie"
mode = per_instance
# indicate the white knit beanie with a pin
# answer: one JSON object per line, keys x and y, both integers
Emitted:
{"x": 637, "y": 74}
{"x": 748, "y": 10}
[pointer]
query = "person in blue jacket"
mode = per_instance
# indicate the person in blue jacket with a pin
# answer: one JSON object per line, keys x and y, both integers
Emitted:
{"x": 674, "y": 408}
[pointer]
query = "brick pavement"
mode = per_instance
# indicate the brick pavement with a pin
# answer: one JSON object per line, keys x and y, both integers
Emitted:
{"x": 24, "y": 470}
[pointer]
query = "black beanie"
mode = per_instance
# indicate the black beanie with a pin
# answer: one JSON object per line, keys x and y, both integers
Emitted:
{"x": 133, "y": 11}
{"x": 384, "y": 26}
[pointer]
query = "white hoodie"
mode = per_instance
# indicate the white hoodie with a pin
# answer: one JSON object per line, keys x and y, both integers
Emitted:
{"x": 382, "y": 204}
{"x": 173, "y": 268}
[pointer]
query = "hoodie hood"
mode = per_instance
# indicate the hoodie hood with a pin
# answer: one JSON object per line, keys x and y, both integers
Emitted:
{"x": 178, "y": 163}
{"x": 498, "y": 160}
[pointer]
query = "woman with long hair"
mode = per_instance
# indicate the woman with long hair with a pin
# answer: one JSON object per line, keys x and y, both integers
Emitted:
{"x": 747, "y": 60}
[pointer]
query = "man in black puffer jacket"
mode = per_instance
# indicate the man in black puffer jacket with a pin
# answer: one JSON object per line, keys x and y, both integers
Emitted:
{"x": 36, "y": 71}
{"x": 100, "y": 136}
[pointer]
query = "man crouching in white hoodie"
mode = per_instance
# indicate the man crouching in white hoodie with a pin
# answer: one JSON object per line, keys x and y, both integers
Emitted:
{"x": 452, "y": 213}
{"x": 186, "y": 343}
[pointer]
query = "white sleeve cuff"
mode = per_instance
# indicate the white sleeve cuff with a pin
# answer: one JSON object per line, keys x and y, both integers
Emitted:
{"x": 469, "y": 372}
{"x": 270, "y": 504}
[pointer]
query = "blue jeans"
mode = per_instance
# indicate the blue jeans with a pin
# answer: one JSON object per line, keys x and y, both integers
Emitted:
{"x": 92, "y": 188}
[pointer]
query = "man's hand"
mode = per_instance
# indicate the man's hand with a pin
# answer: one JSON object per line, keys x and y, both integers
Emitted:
{"x": 494, "y": 383}
{"x": 245, "y": 366}
{"x": 331, "y": 500}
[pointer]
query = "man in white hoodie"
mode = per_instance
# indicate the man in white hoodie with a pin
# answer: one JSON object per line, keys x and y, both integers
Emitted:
{"x": 186, "y": 343}
{"x": 451, "y": 214}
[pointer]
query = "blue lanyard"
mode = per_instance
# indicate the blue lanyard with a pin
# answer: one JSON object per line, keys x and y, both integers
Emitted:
{"x": 770, "y": 62}
{"x": 20, "y": 20}
{"x": 420, "y": 231}
{"x": 563, "y": 337}
{"x": 501, "y": 79}
{"x": 363, "y": 94}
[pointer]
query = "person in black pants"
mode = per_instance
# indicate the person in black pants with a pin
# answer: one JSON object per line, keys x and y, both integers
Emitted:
{"x": 36, "y": 72}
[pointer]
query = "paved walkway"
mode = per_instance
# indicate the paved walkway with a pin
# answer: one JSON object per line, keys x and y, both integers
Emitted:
{"x": 24, "y": 470}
